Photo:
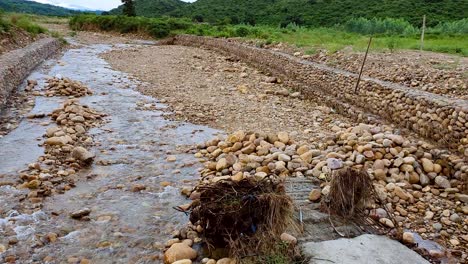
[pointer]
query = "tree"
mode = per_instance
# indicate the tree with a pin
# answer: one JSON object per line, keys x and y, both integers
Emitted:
{"x": 128, "y": 8}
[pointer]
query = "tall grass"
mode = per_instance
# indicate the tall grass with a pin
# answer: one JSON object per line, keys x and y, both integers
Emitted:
{"x": 4, "y": 24}
{"x": 157, "y": 27}
{"x": 26, "y": 23}
{"x": 388, "y": 26}
{"x": 389, "y": 34}
{"x": 455, "y": 27}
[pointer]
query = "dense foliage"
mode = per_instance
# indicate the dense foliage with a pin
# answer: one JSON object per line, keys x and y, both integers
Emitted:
{"x": 4, "y": 24}
{"x": 20, "y": 6}
{"x": 24, "y": 22}
{"x": 157, "y": 27}
{"x": 396, "y": 34}
{"x": 152, "y": 8}
{"x": 128, "y": 8}
{"x": 306, "y": 12}
{"x": 7, "y": 21}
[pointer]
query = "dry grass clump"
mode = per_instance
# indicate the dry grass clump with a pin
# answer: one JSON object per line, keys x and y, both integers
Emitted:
{"x": 246, "y": 217}
{"x": 350, "y": 190}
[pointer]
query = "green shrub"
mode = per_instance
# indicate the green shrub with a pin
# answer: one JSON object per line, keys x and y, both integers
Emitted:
{"x": 27, "y": 24}
{"x": 389, "y": 34}
{"x": 4, "y": 24}
{"x": 160, "y": 30}
{"x": 454, "y": 27}
{"x": 392, "y": 44}
{"x": 388, "y": 26}
{"x": 242, "y": 31}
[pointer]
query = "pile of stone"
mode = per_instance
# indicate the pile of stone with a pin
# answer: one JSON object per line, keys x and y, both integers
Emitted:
{"x": 66, "y": 151}
{"x": 255, "y": 155}
{"x": 421, "y": 186}
{"x": 65, "y": 87}
{"x": 431, "y": 116}
{"x": 242, "y": 156}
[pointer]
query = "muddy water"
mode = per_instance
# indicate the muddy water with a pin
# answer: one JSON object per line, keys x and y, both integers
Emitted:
{"x": 131, "y": 148}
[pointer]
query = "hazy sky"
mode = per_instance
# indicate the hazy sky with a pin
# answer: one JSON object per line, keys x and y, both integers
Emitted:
{"x": 89, "y": 4}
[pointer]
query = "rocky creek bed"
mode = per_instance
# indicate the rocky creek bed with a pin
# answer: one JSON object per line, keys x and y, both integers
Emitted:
{"x": 93, "y": 177}
{"x": 54, "y": 208}
{"x": 420, "y": 184}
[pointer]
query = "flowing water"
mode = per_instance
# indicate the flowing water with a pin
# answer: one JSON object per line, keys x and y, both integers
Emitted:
{"x": 131, "y": 148}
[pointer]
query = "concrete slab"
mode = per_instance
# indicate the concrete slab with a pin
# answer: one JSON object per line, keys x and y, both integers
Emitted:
{"x": 365, "y": 249}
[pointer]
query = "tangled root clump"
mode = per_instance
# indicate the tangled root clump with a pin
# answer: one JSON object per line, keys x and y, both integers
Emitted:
{"x": 350, "y": 191}
{"x": 246, "y": 217}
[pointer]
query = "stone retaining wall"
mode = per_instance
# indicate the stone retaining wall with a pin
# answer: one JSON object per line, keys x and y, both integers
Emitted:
{"x": 432, "y": 116}
{"x": 16, "y": 65}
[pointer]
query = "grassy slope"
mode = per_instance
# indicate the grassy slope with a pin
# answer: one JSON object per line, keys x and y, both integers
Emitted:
{"x": 25, "y": 22}
{"x": 333, "y": 40}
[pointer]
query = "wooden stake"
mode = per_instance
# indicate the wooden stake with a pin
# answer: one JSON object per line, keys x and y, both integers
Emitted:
{"x": 422, "y": 33}
{"x": 356, "y": 89}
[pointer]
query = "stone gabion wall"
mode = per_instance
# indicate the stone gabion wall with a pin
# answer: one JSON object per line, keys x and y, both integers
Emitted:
{"x": 432, "y": 116}
{"x": 16, "y": 65}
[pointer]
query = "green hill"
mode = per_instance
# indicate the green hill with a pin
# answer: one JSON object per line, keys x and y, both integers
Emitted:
{"x": 153, "y": 8}
{"x": 19, "y": 6}
{"x": 305, "y": 12}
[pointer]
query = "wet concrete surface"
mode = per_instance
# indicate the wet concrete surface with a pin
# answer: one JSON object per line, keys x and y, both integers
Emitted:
{"x": 131, "y": 147}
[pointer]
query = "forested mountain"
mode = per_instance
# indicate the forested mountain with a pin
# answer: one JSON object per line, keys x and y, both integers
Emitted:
{"x": 31, "y": 7}
{"x": 20, "y": 6}
{"x": 306, "y": 12}
{"x": 153, "y": 8}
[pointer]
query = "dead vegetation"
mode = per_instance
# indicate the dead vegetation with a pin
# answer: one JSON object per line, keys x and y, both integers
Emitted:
{"x": 350, "y": 191}
{"x": 246, "y": 217}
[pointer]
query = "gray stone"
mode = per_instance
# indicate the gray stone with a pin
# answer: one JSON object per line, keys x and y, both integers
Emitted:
{"x": 334, "y": 164}
{"x": 462, "y": 197}
{"x": 437, "y": 226}
{"x": 362, "y": 249}
{"x": 442, "y": 182}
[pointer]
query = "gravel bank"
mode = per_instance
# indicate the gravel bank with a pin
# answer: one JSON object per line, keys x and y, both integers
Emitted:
{"x": 432, "y": 116}
{"x": 205, "y": 87}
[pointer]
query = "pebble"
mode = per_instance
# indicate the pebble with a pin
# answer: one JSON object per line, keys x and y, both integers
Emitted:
{"x": 171, "y": 158}
{"x": 334, "y": 164}
{"x": 442, "y": 182}
{"x": 82, "y": 154}
{"x": 429, "y": 215}
{"x": 315, "y": 195}
{"x": 80, "y": 213}
{"x": 454, "y": 242}
{"x": 455, "y": 218}
{"x": 437, "y": 226}
{"x": 285, "y": 237}
{"x": 408, "y": 238}
{"x": 183, "y": 261}
{"x": 226, "y": 261}
{"x": 387, "y": 222}
{"x": 179, "y": 251}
